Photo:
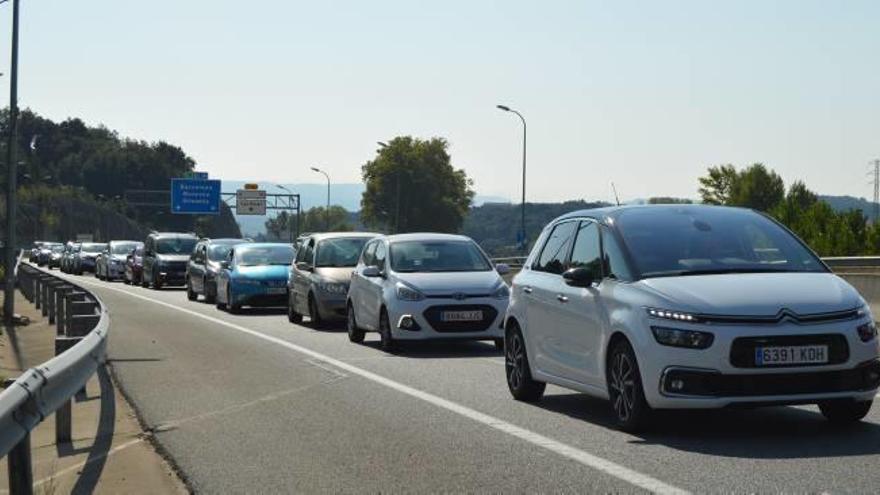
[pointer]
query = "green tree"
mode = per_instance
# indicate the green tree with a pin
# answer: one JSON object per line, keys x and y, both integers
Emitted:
{"x": 411, "y": 185}
{"x": 715, "y": 187}
{"x": 312, "y": 220}
{"x": 758, "y": 188}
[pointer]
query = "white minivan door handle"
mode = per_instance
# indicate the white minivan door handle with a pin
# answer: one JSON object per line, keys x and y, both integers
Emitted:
{"x": 561, "y": 298}
{"x": 527, "y": 289}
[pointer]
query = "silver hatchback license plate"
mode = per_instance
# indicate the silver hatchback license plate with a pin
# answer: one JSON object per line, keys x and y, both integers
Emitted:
{"x": 450, "y": 316}
{"x": 796, "y": 354}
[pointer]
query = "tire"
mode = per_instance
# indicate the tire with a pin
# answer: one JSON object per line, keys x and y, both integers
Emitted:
{"x": 230, "y": 306}
{"x": 292, "y": 315}
{"x": 210, "y": 297}
{"x": 190, "y": 294}
{"x": 845, "y": 411}
{"x": 314, "y": 313}
{"x": 386, "y": 340}
{"x": 499, "y": 344}
{"x": 219, "y": 304}
{"x": 355, "y": 333}
{"x": 154, "y": 283}
{"x": 516, "y": 366}
{"x": 628, "y": 405}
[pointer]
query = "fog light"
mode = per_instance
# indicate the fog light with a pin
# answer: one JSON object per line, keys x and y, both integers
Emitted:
{"x": 407, "y": 322}
{"x": 677, "y": 385}
{"x": 675, "y": 337}
{"x": 867, "y": 331}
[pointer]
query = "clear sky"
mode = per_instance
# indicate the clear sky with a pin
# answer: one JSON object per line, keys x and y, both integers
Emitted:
{"x": 645, "y": 94}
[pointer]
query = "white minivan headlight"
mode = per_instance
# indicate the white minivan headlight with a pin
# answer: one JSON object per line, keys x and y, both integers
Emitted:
{"x": 406, "y": 293}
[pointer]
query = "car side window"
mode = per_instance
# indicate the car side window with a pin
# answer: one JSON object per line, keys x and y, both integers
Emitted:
{"x": 555, "y": 250}
{"x": 614, "y": 260}
{"x": 309, "y": 252}
{"x": 587, "y": 252}
{"x": 369, "y": 254}
{"x": 379, "y": 257}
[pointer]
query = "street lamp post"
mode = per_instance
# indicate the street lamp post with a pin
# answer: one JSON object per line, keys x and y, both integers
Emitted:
{"x": 9, "y": 286}
{"x": 289, "y": 220}
{"x": 327, "y": 212}
{"x": 523, "y": 205}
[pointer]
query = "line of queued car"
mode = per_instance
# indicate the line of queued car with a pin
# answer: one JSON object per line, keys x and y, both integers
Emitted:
{"x": 649, "y": 307}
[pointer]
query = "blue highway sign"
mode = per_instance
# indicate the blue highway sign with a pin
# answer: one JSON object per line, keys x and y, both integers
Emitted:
{"x": 195, "y": 197}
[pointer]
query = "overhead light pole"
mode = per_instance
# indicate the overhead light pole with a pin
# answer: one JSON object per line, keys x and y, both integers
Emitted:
{"x": 522, "y": 228}
{"x": 289, "y": 220}
{"x": 9, "y": 286}
{"x": 327, "y": 212}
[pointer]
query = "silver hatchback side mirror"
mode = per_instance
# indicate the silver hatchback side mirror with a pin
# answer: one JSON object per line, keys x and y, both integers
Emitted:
{"x": 502, "y": 268}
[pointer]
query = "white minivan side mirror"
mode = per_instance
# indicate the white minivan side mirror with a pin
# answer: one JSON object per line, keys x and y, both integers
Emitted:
{"x": 371, "y": 272}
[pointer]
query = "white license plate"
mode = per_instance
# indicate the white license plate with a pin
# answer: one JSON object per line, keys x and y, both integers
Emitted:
{"x": 796, "y": 354}
{"x": 476, "y": 315}
{"x": 276, "y": 290}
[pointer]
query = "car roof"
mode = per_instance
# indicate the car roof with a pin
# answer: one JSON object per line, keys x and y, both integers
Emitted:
{"x": 173, "y": 234}
{"x": 426, "y": 236}
{"x": 612, "y": 212}
{"x": 339, "y": 235}
{"x": 227, "y": 240}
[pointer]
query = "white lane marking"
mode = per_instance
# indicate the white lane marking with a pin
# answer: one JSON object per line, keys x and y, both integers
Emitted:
{"x": 80, "y": 465}
{"x": 623, "y": 473}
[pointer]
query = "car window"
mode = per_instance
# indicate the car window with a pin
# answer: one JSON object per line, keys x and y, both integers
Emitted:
{"x": 369, "y": 256}
{"x": 379, "y": 258}
{"x": 437, "y": 256}
{"x": 308, "y": 253}
{"x": 552, "y": 258}
{"x": 264, "y": 255}
{"x": 175, "y": 245}
{"x": 340, "y": 252}
{"x": 615, "y": 261}
{"x": 587, "y": 252}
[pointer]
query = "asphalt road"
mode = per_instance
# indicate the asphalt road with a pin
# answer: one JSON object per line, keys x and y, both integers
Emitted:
{"x": 251, "y": 403}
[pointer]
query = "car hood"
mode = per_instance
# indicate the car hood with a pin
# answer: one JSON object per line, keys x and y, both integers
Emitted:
{"x": 754, "y": 294}
{"x": 264, "y": 272}
{"x": 336, "y": 274}
{"x": 445, "y": 283}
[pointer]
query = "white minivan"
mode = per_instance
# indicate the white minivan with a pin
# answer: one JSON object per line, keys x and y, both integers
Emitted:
{"x": 669, "y": 307}
{"x": 426, "y": 286}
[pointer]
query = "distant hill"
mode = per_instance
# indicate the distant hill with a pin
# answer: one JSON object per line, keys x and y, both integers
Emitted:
{"x": 845, "y": 203}
{"x": 347, "y": 195}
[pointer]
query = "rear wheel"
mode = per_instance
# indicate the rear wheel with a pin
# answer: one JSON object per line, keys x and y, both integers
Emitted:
{"x": 845, "y": 411}
{"x": 516, "y": 364}
{"x": 292, "y": 315}
{"x": 355, "y": 334}
{"x": 631, "y": 410}
{"x": 220, "y": 305}
{"x": 314, "y": 314}
{"x": 155, "y": 282}
{"x": 386, "y": 340}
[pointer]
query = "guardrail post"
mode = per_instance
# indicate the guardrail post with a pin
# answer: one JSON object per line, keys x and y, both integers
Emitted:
{"x": 64, "y": 414}
{"x": 18, "y": 461}
{"x": 38, "y": 292}
{"x": 60, "y": 293}
{"x": 72, "y": 297}
{"x": 44, "y": 292}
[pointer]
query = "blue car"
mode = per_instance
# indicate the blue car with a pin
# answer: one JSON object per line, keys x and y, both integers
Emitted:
{"x": 254, "y": 274}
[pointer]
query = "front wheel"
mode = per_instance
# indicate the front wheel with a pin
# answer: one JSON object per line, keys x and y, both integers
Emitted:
{"x": 190, "y": 293}
{"x": 314, "y": 313}
{"x": 355, "y": 334}
{"x": 292, "y": 315}
{"x": 845, "y": 411}
{"x": 631, "y": 410}
{"x": 519, "y": 375}
{"x": 230, "y": 305}
{"x": 386, "y": 340}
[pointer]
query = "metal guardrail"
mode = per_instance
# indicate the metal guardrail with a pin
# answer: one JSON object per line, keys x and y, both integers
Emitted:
{"x": 83, "y": 324}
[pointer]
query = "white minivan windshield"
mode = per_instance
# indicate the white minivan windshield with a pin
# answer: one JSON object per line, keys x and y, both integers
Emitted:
{"x": 665, "y": 242}
{"x": 437, "y": 256}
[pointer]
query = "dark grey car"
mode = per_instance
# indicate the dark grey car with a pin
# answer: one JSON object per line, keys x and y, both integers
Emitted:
{"x": 320, "y": 275}
{"x": 204, "y": 265}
